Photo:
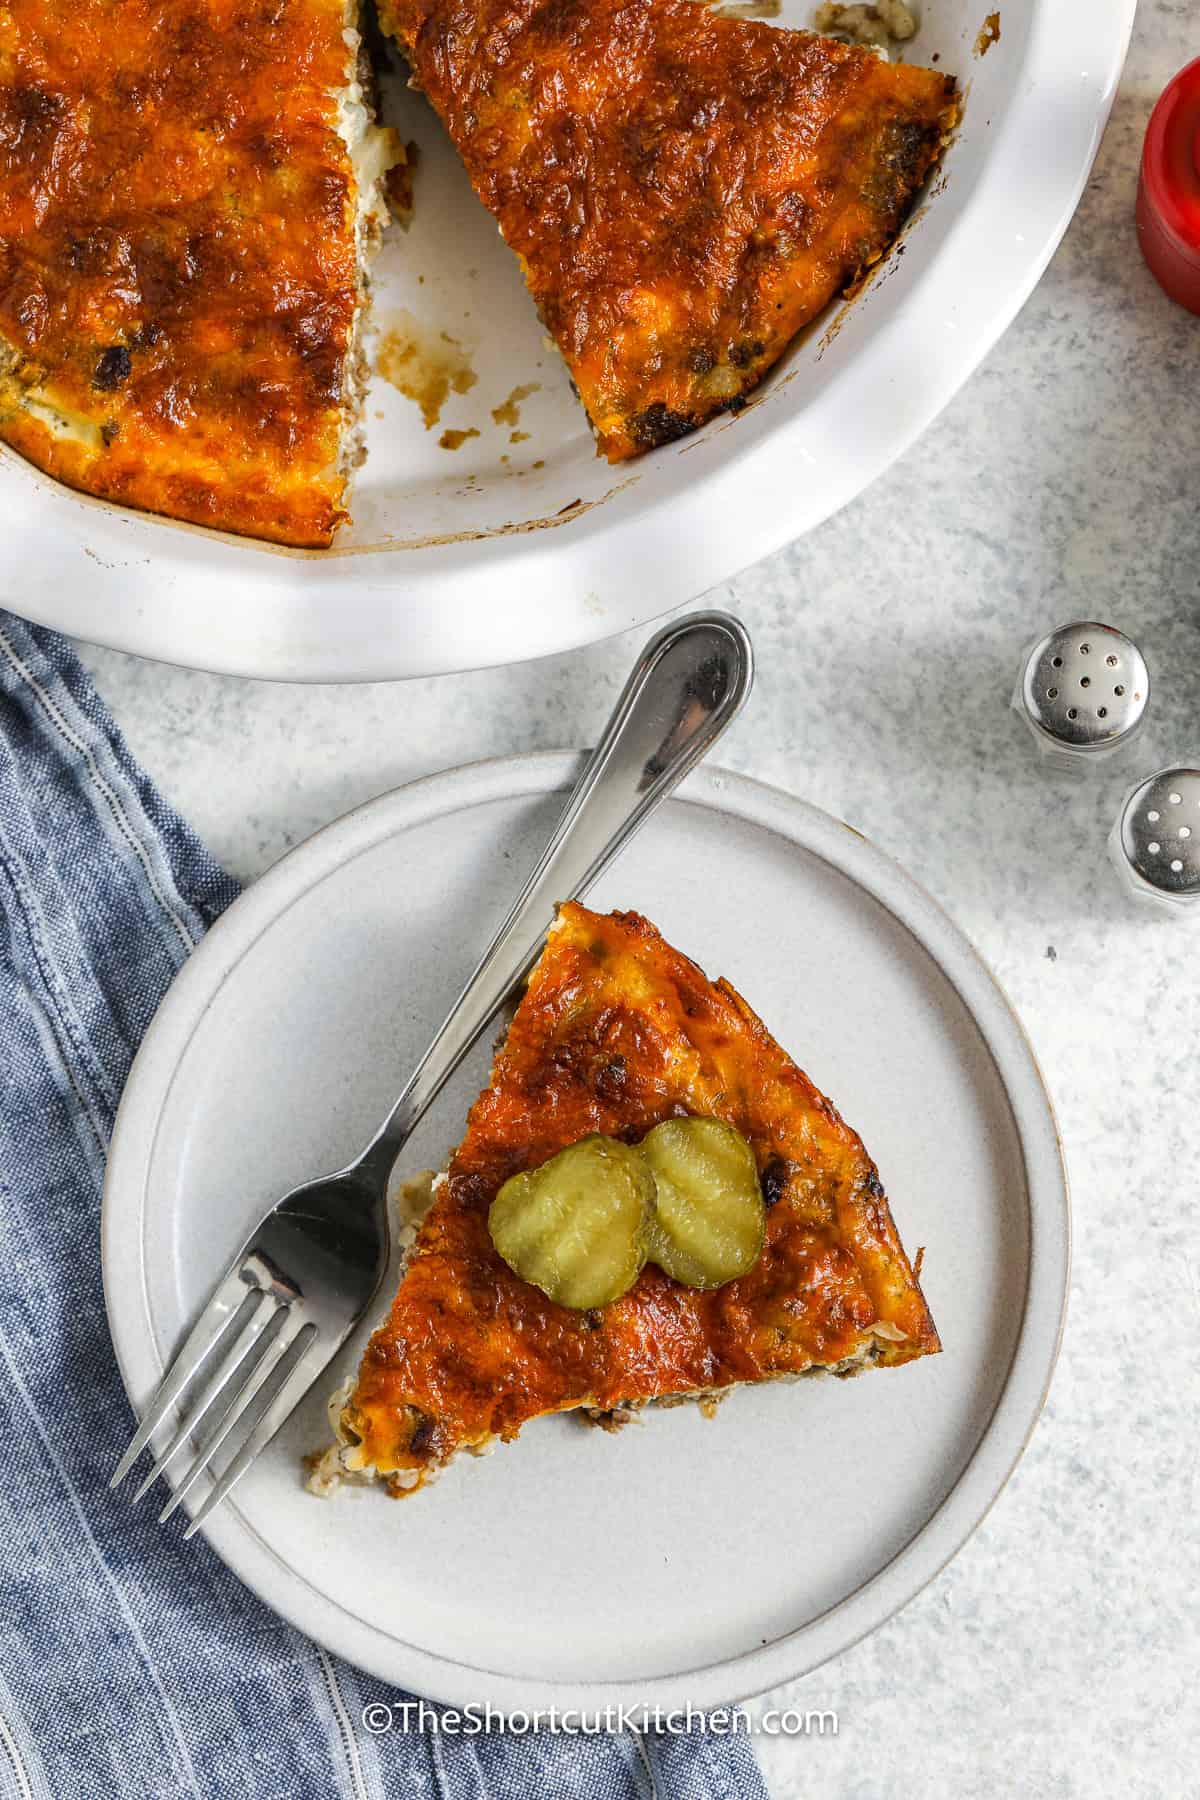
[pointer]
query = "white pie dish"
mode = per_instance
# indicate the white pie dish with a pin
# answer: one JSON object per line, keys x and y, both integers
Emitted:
{"x": 670, "y": 1565}
{"x": 447, "y": 566}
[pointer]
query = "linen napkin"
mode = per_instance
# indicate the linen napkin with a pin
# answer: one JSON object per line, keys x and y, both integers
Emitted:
{"x": 134, "y": 1666}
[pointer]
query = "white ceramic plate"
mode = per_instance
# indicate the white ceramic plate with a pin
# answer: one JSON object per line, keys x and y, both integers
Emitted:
{"x": 684, "y": 1561}
{"x": 459, "y": 559}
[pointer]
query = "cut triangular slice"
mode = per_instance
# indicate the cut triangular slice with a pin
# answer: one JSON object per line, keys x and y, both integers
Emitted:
{"x": 616, "y": 1032}
{"x": 684, "y": 192}
{"x": 189, "y": 197}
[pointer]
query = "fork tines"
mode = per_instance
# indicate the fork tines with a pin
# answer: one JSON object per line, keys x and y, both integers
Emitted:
{"x": 249, "y": 1343}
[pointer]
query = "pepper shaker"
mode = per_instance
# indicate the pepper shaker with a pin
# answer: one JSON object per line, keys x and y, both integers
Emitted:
{"x": 1155, "y": 843}
{"x": 1082, "y": 691}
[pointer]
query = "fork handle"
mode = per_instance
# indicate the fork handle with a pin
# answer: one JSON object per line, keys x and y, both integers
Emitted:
{"x": 688, "y": 684}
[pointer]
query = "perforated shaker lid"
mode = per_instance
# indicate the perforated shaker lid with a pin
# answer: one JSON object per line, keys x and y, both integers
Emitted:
{"x": 1159, "y": 832}
{"x": 1085, "y": 686}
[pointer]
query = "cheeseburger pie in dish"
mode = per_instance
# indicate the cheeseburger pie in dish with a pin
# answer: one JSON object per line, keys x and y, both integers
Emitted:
{"x": 189, "y": 204}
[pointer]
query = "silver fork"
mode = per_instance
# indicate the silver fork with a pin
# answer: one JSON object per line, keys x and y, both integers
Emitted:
{"x": 310, "y": 1269}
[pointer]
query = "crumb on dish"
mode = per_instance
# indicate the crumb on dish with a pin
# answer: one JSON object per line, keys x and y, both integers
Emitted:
{"x": 877, "y": 26}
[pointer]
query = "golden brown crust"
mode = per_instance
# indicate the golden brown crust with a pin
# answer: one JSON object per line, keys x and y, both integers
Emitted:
{"x": 616, "y": 1032}
{"x": 684, "y": 191}
{"x": 178, "y": 274}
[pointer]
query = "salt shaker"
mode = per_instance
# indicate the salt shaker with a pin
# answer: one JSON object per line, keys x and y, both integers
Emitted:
{"x": 1082, "y": 691}
{"x": 1155, "y": 843}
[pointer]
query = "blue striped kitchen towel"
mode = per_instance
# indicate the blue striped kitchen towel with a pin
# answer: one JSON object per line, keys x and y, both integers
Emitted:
{"x": 133, "y": 1666}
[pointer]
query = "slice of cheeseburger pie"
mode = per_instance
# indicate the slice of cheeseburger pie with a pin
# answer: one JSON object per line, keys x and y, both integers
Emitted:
{"x": 684, "y": 192}
{"x": 651, "y": 1203}
{"x": 189, "y": 199}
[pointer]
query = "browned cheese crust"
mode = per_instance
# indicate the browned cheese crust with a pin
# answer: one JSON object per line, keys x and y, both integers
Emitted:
{"x": 616, "y": 1032}
{"x": 684, "y": 191}
{"x": 178, "y": 276}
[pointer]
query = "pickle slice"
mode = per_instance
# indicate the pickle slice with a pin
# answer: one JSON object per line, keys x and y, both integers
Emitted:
{"x": 708, "y": 1224}
{"x": 577, "y": 1227}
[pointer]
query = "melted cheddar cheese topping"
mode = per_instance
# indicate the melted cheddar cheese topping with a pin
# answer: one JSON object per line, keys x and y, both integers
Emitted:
{"x": 616, "y": 1032}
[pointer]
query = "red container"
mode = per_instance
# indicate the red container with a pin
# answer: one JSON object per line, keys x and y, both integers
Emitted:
{"x": 1168, "y": 209}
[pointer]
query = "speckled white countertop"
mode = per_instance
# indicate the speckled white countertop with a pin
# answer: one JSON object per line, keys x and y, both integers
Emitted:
{"x": 1060, "y": 1652}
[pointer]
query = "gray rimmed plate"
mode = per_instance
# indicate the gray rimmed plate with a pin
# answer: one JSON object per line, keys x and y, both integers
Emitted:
{"x": 683, "y": 1561}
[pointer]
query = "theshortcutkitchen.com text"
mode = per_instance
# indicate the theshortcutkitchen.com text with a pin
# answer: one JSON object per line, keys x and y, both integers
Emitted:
{"x": 382, "y": 1717}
